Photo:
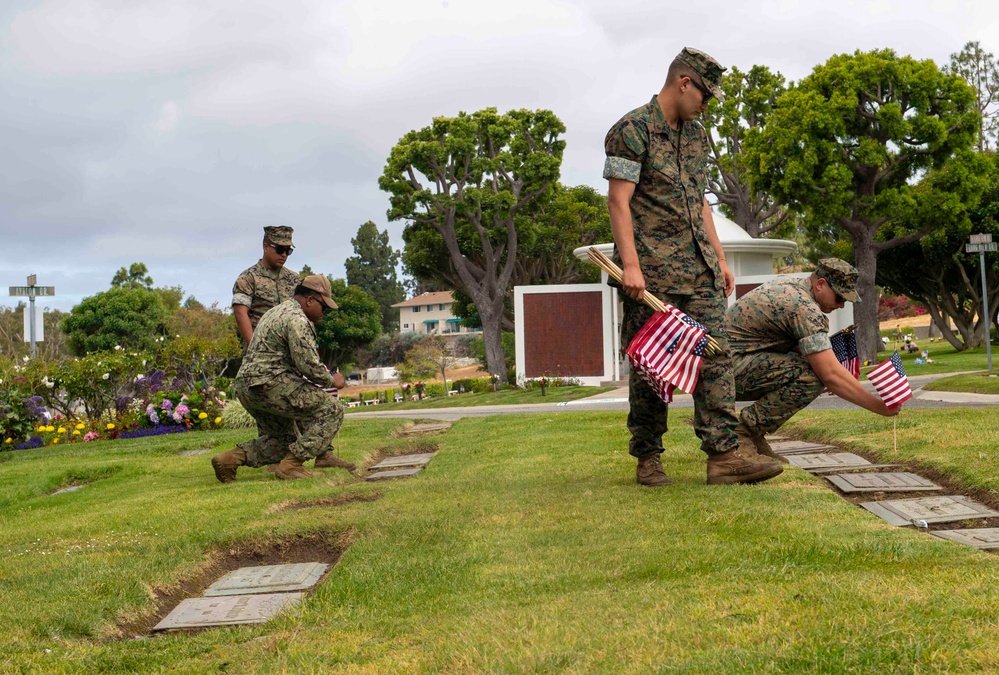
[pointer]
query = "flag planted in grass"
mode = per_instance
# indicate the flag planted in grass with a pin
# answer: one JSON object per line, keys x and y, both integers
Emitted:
{"x": 889, "y": 380}
{"x": 668, "y": 351}
{"x": 844, "y": 346}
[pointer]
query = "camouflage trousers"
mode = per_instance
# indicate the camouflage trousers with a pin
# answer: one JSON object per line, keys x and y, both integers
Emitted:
{"x": 714, "y": 395}
{"x": 292, "y": 417}
{"x": 781, "y": 385}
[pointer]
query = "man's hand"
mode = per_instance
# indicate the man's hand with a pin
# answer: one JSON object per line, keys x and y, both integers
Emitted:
{"x": 888, "y": 412}
{"x": 729, "y": 277}
{"x": 633, "y": 282}
{"x": 339, "y": 381}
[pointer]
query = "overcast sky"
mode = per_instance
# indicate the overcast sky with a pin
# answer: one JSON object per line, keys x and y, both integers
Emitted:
{"x": 171, "y": 131}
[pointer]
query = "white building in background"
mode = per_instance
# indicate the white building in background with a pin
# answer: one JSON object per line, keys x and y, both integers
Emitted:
{"x": 430, "y": 314}
{"x": 574, "y": 330}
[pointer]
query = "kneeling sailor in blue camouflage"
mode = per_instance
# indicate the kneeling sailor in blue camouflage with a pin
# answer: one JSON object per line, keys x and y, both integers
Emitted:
{"x": 782, "y": 357}
{"x": 295, "y": 419}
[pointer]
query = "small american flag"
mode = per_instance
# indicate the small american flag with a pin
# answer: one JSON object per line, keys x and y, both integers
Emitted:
{"x": 332, "y": 391}
{"x": 667, "y": 352}
{"x": 889, "y": 379}
{"x": 844, "y": 346}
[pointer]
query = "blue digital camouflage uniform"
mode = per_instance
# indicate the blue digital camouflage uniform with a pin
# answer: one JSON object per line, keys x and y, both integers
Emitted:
{"x": 771, "y": 330}
{"x": 260, "y": 289}
{"x": 680, "y": 266}
{"x": 292, "y": 415}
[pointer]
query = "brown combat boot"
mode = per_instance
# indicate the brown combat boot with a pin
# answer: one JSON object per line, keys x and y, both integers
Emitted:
{"x": 650, "y": 471}
{"x": 761, "y": 443}
{"x": 291, "y": 468}
{"x": 328, "y": 460}
{"x": 226, "y": 463}
{"x": 742, "y": 465}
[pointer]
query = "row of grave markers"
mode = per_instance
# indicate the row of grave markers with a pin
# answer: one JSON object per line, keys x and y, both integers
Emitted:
{"x": 256, "y": 594}
{"x": 920, "y": 512}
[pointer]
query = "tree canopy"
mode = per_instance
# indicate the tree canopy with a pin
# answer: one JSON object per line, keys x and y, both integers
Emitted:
{"x": 843, "y": 146}
{"x": 372, "y": 268}
{"x": 129, "y": 317}
{"x": 473, "y": 179}
{"x": 980, "y": 70}
{"x": 355, "y": 324}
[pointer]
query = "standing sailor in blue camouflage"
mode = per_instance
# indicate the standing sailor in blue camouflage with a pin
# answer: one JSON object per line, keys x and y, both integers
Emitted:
{"x": 665, "y": 239}
{"x": 296, "y": 420}
{"x": 783, "y": 358}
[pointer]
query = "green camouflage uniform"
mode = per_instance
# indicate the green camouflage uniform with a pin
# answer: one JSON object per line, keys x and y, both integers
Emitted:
{"x": 771, "y": 330}
{"x": 260, "y": 288}
{"x": 292, "y": 415}
{"x": 679, "y": 264}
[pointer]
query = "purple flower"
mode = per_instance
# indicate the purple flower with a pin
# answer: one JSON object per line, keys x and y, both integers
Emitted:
{"x": 167, "y": 404}
{"x": 155, "y": 431}
{"x": 122, "y": 402}
{"x": 35, "y": 408}
{"x": 33, "y": 442}
{"x": 153, "y": 417}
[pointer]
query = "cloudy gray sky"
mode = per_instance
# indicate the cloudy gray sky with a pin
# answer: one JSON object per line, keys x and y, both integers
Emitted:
{"x": 171, "y": 131}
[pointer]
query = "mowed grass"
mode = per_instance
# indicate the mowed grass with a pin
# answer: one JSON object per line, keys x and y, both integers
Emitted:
{"x": 524, "y": 547}
{"x": 501, "y": 397}
{"x": 946, "y": 359}
{"x": 975, "y": 383}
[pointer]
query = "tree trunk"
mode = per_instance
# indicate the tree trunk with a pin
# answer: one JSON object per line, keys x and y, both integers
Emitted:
{"x": 865, "y": 312}
{"x": 492, "y": 336}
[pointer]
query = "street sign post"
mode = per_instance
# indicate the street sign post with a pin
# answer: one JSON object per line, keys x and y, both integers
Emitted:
{"x": 31, "y": 291}
{"x": 980, "y": 243}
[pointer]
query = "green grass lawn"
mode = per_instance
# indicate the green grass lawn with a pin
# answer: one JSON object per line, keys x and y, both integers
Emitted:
{"x": 946, "y": 358}
{"x": 524, "y": 547}
{"x": 975, "y": 383}
{"x": 501, "y": 397}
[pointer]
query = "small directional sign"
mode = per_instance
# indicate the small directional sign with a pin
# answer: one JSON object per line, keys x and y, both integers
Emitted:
{"x": 979, "y": 248}
{"x": 32, "y": 291}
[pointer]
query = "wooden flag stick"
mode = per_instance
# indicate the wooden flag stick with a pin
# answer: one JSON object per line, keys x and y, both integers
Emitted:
{"x": 894, "y": 434}
{"x": 597, "y": 257}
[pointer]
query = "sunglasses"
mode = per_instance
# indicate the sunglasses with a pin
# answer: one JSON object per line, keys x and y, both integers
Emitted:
{"x": 705, "y": 94}
{"x": 282, "y": 250}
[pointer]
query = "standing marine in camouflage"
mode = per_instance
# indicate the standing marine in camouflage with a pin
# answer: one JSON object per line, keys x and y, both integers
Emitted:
{"x": 266, "y": 285}
{"x": 295, "y": 419}
{"x": 665, "y": 239}
{"x": 779, "y": 336}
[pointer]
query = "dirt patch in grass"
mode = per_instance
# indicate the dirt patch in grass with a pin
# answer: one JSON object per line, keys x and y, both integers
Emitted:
{"x": 329, "y": 502}
{"x": 319, "y": 547}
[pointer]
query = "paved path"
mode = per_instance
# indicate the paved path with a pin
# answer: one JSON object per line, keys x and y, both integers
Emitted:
{"x": 617, "y": 399}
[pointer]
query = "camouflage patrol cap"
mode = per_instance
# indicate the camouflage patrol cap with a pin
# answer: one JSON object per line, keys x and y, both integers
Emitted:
{"x": 278, "y": 234}
{"x": 321, "y": 285}
{"x": 841, "y": 275}
{"x": 705, "y": 66}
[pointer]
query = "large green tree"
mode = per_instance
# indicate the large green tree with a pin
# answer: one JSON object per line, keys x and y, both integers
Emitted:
{"x": 473, "y": 179}
{"x": 980, "y": 69}
{"x": 132, "y": 318}
{"x": 355, "y": 324}
{"x": 843, "y": 146}
{"x": 935, "y": 270}
{"x": 372, "y": 268}
{"x": 749, "y": 98}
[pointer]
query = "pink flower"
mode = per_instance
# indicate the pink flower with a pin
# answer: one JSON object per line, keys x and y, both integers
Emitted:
{"x": 90, "y": 436}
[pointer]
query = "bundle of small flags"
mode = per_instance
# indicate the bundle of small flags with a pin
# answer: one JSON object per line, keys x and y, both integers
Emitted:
{"x": 844, "y": 346}
{"x": 332, "y": 391}
{"x": 668, "y": 351}
{"x": 889, "y": 380}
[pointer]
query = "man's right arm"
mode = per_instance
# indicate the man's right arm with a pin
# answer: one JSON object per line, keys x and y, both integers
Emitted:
{"x": 619, "y": 204}
{"x": 242, "y": 314}
{"x": 839, "y": 381}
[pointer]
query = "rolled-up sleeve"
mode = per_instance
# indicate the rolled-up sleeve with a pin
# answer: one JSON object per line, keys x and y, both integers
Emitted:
{"x": 626, "y": 146}
{"x": 242, "y": 290}
{"x": 813, "y": 344}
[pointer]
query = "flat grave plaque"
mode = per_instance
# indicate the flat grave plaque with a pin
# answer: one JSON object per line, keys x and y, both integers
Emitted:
{"x": 268, "y": 579}
{"x": 898, "y": 481}
{"x": 424, "y": 429}
{"x": 799, "y": 447}
{"x": 193, "y": 453}
{"x": 835, "y": 460}
{"x": 862, "y": 467}
{"x": 228, "y": 610}
{"x": 395, "y": 473}
{"x": 71, "y": 488}
{"x": 399, "y": 461}
{"x": 930, "y": 509}
{"x": 982, "y": 537}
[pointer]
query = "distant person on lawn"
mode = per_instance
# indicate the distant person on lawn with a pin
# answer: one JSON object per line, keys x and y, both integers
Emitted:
{"x": 781, "y": 353}
{"x": 296, "y": 420}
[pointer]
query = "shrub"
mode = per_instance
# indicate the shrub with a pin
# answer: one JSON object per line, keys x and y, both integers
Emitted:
{"x": 234, "y": 416}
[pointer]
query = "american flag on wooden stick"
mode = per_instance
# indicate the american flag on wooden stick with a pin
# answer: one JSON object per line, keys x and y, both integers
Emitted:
{"x": 844, "y": 346}
{"x": 888, "y": 378}
{"x": 668, "y": 351}
{"x": 332, "y": 391}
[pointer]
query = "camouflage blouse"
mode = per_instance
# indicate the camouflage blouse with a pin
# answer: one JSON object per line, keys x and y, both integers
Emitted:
{"x": 260, "y": 289}
{"x": 283, "y": 342}
{"x": 779, "y": 316}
